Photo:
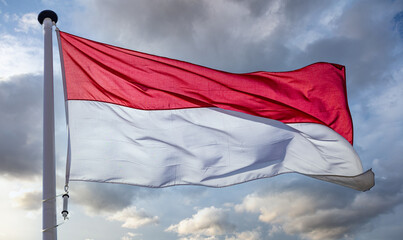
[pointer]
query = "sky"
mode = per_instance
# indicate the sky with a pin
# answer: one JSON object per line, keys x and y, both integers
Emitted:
{"x": 231, "y": 35}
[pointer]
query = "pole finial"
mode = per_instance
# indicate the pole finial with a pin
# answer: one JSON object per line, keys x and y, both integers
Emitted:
{"x": 47, "y": 14}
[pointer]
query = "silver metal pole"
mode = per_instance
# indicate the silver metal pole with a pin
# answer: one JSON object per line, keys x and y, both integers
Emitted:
{"x": 46, "y": 18}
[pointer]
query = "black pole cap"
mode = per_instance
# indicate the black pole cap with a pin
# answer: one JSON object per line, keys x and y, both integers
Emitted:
{"x": 47, "y": 14}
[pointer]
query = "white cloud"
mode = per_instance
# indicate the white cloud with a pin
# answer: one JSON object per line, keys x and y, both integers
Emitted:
{"x": 197, "y": 237}
{"x": 27, "y": 199}
{"x": 133, "y": 234}
{"x": 133, "y": 218}
{"x": 279, "y": 205}
{"x": 314, "y": 216}
{"x": 130, "y": 236}
{"x": 247, "y": 235}
{"x": 19, "y": 56}
{"x": 208, "y": 222}
{"x": 27, "y": 22}
{"x": 13, "y": 218}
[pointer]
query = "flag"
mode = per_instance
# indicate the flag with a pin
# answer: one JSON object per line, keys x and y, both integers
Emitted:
{"x": 146, "y": 120}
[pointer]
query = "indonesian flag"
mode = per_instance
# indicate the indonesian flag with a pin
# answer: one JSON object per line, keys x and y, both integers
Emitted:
{"x": 146, "y": 120}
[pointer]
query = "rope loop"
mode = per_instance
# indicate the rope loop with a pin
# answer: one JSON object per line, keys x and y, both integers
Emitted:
{"x": 57, "y": 225}
{"x": 45, "y": 200}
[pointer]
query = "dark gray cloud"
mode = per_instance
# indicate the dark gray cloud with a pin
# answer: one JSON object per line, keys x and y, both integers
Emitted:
{"x": 257, "y": 35}
{"x": 256, "y": 7}
{"x": 106, "y": 198}
{"x": 203, "y": 32}
{"x": 143, "y": 23}
{"x": 313, "y": 210}
{"x": 361, "y": 40}
{"x": 21, "y": 125}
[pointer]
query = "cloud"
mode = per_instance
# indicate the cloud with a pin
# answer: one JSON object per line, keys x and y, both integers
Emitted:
{"x": 359, "y": 37}
{"x": 257, "y": 35}
{"x": 192, "y": 30}
{"x": 19, "y": 56}
{"x": 398, "y": 20}
{"x": 21, "y": 121}
{"x": 99, "y": 199}
{"x": 27, "y": 200}
{"x": 320, "y": 213}
{"x": 207, "y": 222}
{"x": 199, "y": 238}
{"x": 130, "y": 236}
{"x": 27, "y": 22}
{"x": 133, "y": 234}
{"x": 133, "y": 218}
{"x": 247, "y": 235}
{"x": 378, "y": 126}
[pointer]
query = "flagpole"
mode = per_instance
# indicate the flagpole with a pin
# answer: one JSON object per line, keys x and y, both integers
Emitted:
{"x": 49, "y": 232}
